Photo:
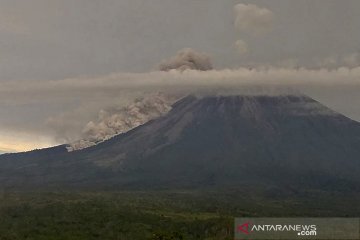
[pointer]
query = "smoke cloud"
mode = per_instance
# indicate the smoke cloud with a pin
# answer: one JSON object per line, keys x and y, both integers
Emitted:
{"x": 114, "y": 121}
{"x": 70, "y": 106}
{"x": 186, "y": 59}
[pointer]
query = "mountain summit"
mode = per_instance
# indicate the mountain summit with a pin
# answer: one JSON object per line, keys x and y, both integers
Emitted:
{"x": 221, "y": 141}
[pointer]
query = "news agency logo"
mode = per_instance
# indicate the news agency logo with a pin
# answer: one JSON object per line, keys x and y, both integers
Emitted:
{"x": 297, "y": 228}
{"x": 243, "y": 228}
{"x": 301, "y": 230}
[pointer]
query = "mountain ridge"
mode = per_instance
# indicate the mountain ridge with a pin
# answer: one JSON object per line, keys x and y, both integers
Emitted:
{"x": 222, "y": 141}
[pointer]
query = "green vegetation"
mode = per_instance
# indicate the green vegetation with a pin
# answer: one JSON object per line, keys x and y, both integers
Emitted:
{"x": 158, "y": 215}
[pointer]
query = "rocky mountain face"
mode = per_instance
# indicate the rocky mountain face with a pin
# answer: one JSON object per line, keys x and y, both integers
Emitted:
{"x": 290, "y": 142}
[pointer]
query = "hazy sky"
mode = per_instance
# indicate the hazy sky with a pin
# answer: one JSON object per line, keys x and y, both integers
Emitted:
{"x": 52, "y": 40}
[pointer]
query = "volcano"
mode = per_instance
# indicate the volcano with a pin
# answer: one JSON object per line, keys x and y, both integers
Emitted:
{"x": 204, "y": 142}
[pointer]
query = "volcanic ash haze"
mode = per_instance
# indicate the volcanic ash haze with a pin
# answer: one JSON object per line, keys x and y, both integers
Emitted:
{"x": 185, "y": 59}
{"x": 116, "y": 121}
{"x": 291, "y": 142}
{"x": 120, "y": 120}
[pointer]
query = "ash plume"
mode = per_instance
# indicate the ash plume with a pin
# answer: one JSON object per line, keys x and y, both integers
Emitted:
{"x": 116, "y": 121}
{"x": 84, "y": 97}
{"x": 187, "y": 58}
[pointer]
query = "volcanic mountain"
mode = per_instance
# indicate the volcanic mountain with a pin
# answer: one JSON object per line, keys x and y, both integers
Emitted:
{"x": 215, "y": 141}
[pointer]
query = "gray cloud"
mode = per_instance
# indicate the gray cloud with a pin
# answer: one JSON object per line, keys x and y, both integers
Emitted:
{"x": 185, "y": 59}
{"x": 71, "y": 104}
{"x": 114, "y": 121}
{"x": 109, "y": 86}
{"x": 59, "y": 39}
{"x": 43, "y": 40}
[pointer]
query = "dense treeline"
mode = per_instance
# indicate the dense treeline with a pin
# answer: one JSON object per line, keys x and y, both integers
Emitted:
{"x": 145, "y": 215}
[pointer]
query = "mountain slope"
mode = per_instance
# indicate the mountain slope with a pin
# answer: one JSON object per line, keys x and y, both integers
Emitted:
{"x": 226, "y": 141}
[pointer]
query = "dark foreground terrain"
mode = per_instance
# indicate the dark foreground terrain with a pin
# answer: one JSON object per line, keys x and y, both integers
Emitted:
{"x": 155, "y": 215}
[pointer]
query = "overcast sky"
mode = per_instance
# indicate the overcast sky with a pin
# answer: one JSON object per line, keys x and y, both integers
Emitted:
{"x": 52, "y": 40}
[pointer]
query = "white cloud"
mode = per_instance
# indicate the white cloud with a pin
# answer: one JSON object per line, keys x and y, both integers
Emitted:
{"x": 253, "y": 19}
{"x": 350, "y": 60}
{"x": 108, "y": 86}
